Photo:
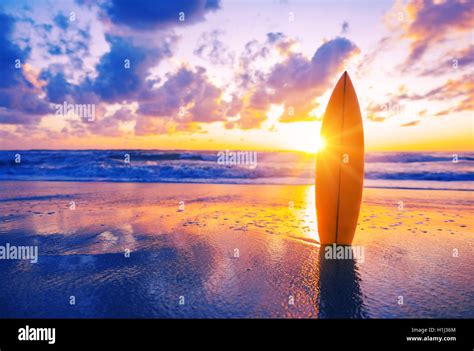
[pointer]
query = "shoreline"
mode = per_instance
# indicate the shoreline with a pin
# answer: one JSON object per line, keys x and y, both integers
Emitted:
{"x": 245, "y": 184}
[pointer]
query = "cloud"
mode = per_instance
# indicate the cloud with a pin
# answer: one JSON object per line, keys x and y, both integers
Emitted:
{"x": 258, "y": 54}
{"x": 21, "y": 104}
{"x": 299, "y": 73}
{"x": 457, "y": 60}
{"x": 367, "y": 61}
{"x": 145, "y": 14}
{"x": 24, "y": 99}
{"x": 110, "y": 126}
{"x": 10, "y": 52}
{"x": 212, "y": 49}
{"x": 8, "y": 116}
{"x": 61, "y": 21}
{"x": 462, "y": 87}
{"x": 58, "y": 40}
{"x": 298, "y": 81}
{"x": 281, "y": 42}
{"x": 375, "y": 112}
{"x": 187, "y": 96}
{"x": 453, "y": 88}
{"x": 246, "y": 75}
{"x": 410, "y": 124}
{"x": 19, "y": 90}
{"x": 145, "y": 126}
{"x": 120, "y": 71}
{"x": 58, "y": 87}
{"x": 249, "y": 118}
{"x": 431, "y": 22}
{"x": 121, "y": 74}
{"x": 252, "y": 51}
{"x": 344, "y": 27}
{"x": 458, "y": 92}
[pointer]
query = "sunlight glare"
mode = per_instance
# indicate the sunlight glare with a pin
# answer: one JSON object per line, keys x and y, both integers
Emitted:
{"x": 303, "y": 137}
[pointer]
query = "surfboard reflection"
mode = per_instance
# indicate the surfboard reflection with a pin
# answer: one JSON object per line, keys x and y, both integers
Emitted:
{"x": 340, "y": 295}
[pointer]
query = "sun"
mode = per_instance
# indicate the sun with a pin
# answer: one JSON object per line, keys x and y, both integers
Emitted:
{"x": 303, "y": 136}
{"x": 320, "y": 144}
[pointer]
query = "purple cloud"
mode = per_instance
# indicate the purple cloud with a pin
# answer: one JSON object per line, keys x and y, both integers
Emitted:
{"x": 187, "y": 96}
{"x": 297, "y": 81}
{"x": 432, "y": 22}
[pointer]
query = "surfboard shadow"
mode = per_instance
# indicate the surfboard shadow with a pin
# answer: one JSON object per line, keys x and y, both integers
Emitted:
{"x": 340, "y": 295}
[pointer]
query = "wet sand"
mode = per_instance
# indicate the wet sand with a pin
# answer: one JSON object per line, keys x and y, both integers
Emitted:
{"x": 230, "y": 251}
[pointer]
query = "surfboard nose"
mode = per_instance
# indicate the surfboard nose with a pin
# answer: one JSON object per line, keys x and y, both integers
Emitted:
{"x": 343, "y": 79}
{"x": 347, "y": 80}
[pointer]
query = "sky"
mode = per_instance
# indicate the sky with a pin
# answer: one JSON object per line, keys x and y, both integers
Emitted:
{"x": 241, "y": 75}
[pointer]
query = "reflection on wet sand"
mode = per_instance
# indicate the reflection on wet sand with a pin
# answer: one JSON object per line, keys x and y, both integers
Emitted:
{"x": 279, "y": 271}
{"x": 339, "y": 288}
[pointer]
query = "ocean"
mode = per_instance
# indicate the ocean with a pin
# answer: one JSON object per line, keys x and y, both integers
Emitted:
{"x": 382, "y": 169}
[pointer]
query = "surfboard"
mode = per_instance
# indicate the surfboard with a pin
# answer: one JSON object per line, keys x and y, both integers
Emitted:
{"x": 340, "y": 166}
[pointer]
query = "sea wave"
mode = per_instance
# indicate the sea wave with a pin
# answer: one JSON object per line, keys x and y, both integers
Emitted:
{"x": 203, "y": 167}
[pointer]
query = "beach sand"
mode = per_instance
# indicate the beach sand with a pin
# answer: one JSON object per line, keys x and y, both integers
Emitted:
{"x": 199, "y": 250}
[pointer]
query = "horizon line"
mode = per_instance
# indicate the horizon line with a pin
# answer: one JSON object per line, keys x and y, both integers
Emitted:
{"x": 237, "y": 149}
